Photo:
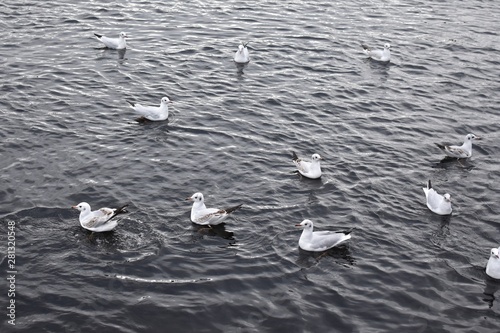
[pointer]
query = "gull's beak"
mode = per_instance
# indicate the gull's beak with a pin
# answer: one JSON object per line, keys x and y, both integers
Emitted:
{"x": 478, "y": 138}
{"x": 74, "y": 207}
{"x": 298, "y": 225}
{"x": 189, "y": 199}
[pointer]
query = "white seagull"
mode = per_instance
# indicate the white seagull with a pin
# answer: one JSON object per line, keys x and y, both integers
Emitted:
{"x": 153, "y": 113}
{"x": 241, "y": 56}
{"x": 308, "y": 169}
{"x": 320, "y": 240}
{"x": 99, "y": 220}
{"x": 200, "y": 214}
{"x": 114, "y": 43}
{"x": 463, "y": 151}
{"x": 493, "y": 266}
{"x": 380, "y": 55}
{"x": 437, "y": 203}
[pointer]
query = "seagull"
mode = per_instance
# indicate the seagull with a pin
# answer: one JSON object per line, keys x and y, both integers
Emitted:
{"x": 320, "y": 240}
{"x": 463, "y": 151}
{"x": 380, "y": 55}
{"x": 437, "y": 203}
{"x": 153, "y": 113}
{"x": 200, "y": 214}
{"x": 308, "y": 169}
{"x": 241, "y": 56}
{"x": 493, "y": 266}
{"x": 99, "y": 220}
{"x": 114, "y": 43}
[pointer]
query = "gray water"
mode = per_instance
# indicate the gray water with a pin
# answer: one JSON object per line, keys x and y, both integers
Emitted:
{"x": 68, "y": 135}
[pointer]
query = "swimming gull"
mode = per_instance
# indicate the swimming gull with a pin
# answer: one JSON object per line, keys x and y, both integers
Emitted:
{"x": 308, "y": 169}
{"x": 320, "y": 240}
{"x": 200, "y": 214}
{"x": 437, "y": 203}
{"x": 377, "y": 54}
{"x": 463, "y": 151}
{"x": 99, "y": 220}
{"x": 241, "y": 56}
{"x": 493, "y": 266}
{"x": 114, "y": 43}
{"x": 153, "y": 113}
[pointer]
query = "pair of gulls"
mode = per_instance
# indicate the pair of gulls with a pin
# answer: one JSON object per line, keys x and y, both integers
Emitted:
{"x": 441, "y": 204}
{"x": 151, "y": 113}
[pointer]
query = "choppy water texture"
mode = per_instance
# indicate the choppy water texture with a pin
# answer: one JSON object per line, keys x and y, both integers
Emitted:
{"x": 68, "y": 135}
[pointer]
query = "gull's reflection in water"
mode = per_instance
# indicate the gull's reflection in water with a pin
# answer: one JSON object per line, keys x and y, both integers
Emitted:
{"x": 340, "y": 254}
{"x": 492, "y": 286}
{"x": 219, "y": 230}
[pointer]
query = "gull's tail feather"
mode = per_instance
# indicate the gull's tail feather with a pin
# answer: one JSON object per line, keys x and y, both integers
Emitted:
{"x": 119, "y": 210}
{"x": 440, "y": 146}
{"x": 346, "y": 232}
{"x": 232, "y": 209}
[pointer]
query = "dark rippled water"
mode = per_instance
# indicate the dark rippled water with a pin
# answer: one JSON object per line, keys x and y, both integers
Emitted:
{"x": 68, "y": 136}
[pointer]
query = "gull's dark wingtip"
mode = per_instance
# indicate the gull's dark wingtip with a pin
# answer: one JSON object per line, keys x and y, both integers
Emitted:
{"x": 97, "y": 35}
{"x": 131, "y": 103}
{"x": 440, "y": 146}
{"x": 294, "y": 156}
{"x": 232, "y": 209}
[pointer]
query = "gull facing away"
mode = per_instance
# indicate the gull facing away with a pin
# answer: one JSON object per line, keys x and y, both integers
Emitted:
{"x": 202, "y": 215}
{"x": 99, "y": 220}
{"x": 379, "y": 55}
{"x": 463, "y": 151}
{"x": 437, "y": 203}
{"x": 493, "y": 265}
{"x": 114, "y": 43}
{"x": 241, "y": 56}
{"x": 320, "y": 240}
{"x": 308, "y": 169}
{"x": 153, "y": 113}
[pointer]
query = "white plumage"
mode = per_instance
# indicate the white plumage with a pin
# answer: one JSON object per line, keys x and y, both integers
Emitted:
{"x": 493, "y": 266}
{"x": 200, "y": 214}
{"x": 320, "y": 240}
{"x": 153, "y": 113}
{"x": 241, "y": 56}
{"x": 114, "y": 43}
{"x": 377, "y": 54}
{"x": 463, "y": 151}
{"x": 437, "y": 203}
{"x": 100, "y": 220}
{"x": 308, "y": 169}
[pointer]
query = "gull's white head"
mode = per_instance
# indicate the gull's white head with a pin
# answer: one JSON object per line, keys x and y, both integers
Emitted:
{"x": 316, "y": 157}
{"x": 306, "y": 224}
{"x": 471, "y": 136}
{"x": 197, "y": 197}
{"x": 240, "y": 48}
{"x": 387, "y": 46}
{"x": 82, "y": 207}
{"x": 494, "y": 253}
{"x": 165, "y": 100}
{"x": 447, "y": 197}
{"x": 123, "y": 35}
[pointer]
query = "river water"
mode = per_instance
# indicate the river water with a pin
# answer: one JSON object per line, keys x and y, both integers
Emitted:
{"x": 68, "y": 136}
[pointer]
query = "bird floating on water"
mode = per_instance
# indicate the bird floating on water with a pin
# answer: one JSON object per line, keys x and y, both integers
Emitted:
{"x": 437, "y": 203}
{"x": 320, "y": 240}
{"x": 100, "y": 220}
{"x": 200, "y": 214}
{"x": 493, "y": 265}
{"x": 377, "y": 54}
{"x": 241, "y": 56}
{"x": 114, "y": 43}
{"x": 463, "y": 151}
{"x": 153, "y": 113}
{"x": 308, "y": 169}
